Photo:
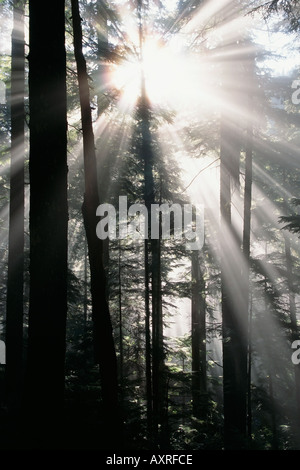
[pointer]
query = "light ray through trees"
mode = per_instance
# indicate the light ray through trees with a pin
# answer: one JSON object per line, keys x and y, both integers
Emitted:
{"x": 196, "y": 59}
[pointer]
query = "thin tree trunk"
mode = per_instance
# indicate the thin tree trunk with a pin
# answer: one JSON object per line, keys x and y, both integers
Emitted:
{"x": 148, "y": 342}
{"x": 246, "y": 252}
{"x": 147, "y": 159}
{"x": 249, "y": 394}
{"x": 248, "y": 195}
{"x": 275, "y": 445}
{"x": 14, "y": 312}
{"x": 233, "y": 322}
{"x": 105, "y": 160}
{"x": 199, "y": 389}
{"x": 44, "y": 392}
{"x": 273, "y": 410}
{"x": 158, "y": 367}
{"x": 104, "y": 348}
{"x": 102, "y": 52}
{"x": 293, "y": 322}
{"x": 121, "y": 367}
{"x": 294, "y": 329}
{"x": 146, "y": 155}
{"x": 152, "y": 270}
{"x": 85, "y": 303}
{"x": 157, "y": 408}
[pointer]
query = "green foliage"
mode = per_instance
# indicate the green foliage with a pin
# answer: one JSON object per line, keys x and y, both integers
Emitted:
{"x": 292, "y": 222}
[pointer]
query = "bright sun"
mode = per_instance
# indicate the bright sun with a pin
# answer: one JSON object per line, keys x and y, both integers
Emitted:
{"x": 167, "y": 74}
{"x": 164, "y": 72}
{"x": 175, "y": 78}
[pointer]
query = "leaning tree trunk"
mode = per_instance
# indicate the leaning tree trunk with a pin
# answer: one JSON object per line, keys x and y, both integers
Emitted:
{"x": 48, "y": 222}
{"x": 104, "y": 348}
{"x": 14, "y": 311}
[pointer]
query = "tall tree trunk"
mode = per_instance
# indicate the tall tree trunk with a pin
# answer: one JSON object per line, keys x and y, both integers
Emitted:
{"x": 270, "y": 370}
{"x": 105, "y": 160}
{"x": 294, "y": 329}
{"x": 146, "y": 157}
{"x": 233, "y": 321}
{"x": 14, "y": 312}
{"x": 85, "y": 303}
{"x": 148, "y": 356}
{"x": 158, "y": 366}
{"x": 199, "y": 389}
{"x": 121, "y": 365}
{"x": 249, "y": 389}
{"x": 246, "y": 252}
{"x": 275, "y": 443}
{"x": 156, "y": 412}
{"x": 248, "y": 194}
{"x": 44, "y": 395}
{"x": 155, "y": 380}
{"x": 104, "y": 348}
{"x": 102, "y": 52}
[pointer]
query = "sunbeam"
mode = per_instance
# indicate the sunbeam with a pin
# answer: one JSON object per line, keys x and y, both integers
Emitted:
{"x": 167, "y": 320}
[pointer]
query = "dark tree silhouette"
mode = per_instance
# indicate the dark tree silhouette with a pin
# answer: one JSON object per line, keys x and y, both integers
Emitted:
{"x": 44, "y": 387}
{"x": 104, "y": 348}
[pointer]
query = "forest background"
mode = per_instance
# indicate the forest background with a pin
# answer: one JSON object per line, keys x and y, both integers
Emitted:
{"x": 142, "y": 344}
